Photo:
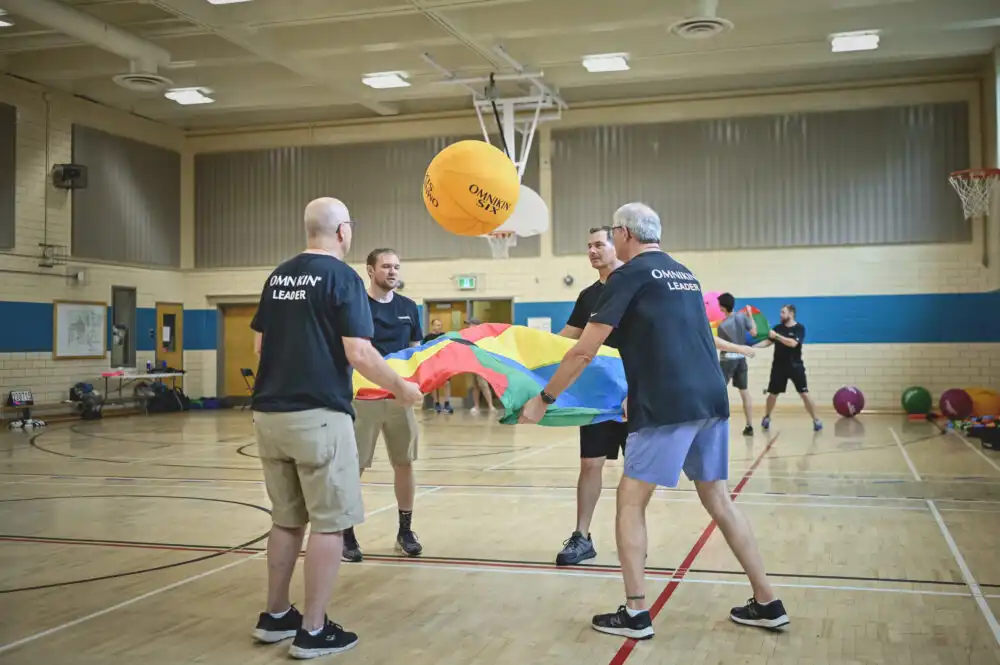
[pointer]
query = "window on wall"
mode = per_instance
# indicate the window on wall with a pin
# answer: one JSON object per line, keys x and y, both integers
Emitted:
{"x": 123, "y": 326}
{"x": 8, "y": 174}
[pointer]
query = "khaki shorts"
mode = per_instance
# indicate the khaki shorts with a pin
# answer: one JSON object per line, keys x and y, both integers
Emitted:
{"x": 310, "y": 463}
{"x": 398, "y": 425}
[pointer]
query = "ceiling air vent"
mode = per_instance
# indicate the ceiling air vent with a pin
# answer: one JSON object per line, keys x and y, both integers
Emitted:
{"x": 701, "y": 27}
{"x": 143, "y": 82}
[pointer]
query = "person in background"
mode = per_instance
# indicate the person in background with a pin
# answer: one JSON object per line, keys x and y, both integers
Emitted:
{"x": 444, "y": 392}
{"x": 734, "y": 328}
{"x": 480, "y": 386}
{"x": 787, "y": 338}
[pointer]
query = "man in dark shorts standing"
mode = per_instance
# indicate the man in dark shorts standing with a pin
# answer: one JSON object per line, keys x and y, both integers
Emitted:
{"x": 603, "y": 440}
{"x": 397, "y": 326}
{"x": 734, "y": 366}
{"x": 677, "y": 411}
{"x": 312, "y": 329}
{"x": 787, "y": 338}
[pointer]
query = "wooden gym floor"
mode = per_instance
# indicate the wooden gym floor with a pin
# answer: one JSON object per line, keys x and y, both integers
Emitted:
{"x": 139, "y": 540}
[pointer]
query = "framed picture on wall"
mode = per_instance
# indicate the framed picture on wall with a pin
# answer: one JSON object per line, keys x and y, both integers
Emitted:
{"x": 79, "y": 330}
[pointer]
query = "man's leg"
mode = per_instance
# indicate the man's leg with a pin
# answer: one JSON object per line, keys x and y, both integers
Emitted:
{"x": 289, "y": 516}
{"x": 652, "y": 457}
{"x": 802, "y": 387}
{"x": 775, "y": 386}
{"x": 401, "y": 440}
{"x": 370, "y": 417}
{"x": 595, "y": 441}
{"x": 328, "y": 471}
{"x": 741, "y": 383}
{"x": 707, "y": 465}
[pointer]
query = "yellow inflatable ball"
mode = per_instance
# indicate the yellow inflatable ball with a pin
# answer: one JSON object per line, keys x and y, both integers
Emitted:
{"x": 985, "y": 402}
{"x": 471, "y": 188}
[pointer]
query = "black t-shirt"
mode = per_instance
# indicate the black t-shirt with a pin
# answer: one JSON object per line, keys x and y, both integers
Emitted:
{"x": 586, "y": 304}
{"x": 666, "y": 343}
{"x": 787, "y": 355}
{"x": 397, "y": 323}
{"x": 308, "y": 305}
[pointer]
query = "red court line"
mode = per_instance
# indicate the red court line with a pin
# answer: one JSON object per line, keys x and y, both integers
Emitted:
{"x": 625, "y": 650}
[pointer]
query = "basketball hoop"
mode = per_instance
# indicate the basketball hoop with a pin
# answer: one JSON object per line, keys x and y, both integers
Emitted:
{"x": 501, "y": 242}
{"x": 975, "y": 189}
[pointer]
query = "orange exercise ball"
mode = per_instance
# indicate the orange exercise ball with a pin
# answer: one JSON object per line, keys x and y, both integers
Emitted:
{"x": 985, "y": 402}
{"x": 471, "y": 188}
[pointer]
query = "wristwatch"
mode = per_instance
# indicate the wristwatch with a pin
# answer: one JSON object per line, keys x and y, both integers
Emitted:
{"x": 547, "y": 398}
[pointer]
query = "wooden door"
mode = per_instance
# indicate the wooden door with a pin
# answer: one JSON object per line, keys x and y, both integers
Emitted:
{"x": 452, "y": 315}
{"x": 170, "y": 336}
{"x": 237, "y": 348}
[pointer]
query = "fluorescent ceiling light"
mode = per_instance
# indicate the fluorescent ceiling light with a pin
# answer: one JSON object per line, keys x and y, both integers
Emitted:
{"x": 854, "y": 41}
{"x": 382, "y": 80}
{"x": 5, "y": 24}
{"x": 606, "y": 62}
{"x": 188, "y": 96}
{"x": 225, "y": 2}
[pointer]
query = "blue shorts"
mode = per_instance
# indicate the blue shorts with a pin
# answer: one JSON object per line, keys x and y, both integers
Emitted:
{"x": 656, "y": 455}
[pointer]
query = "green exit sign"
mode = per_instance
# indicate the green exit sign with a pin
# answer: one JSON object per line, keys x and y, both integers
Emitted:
{"x": 466, "y": 282}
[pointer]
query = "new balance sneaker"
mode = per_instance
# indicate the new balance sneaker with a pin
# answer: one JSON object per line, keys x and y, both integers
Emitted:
{"x": 352, "y": 550}
{"x": 770, "y": 616}
{"x": 576, "y": 548}
{"x": 330, "y": 640}
{"x": 765, "y": 423}
{"x": 638, "y": 627}
{"x": 407, "y": 543}
{"x": 270, "y": 630}
{"x": 817, "y": 425}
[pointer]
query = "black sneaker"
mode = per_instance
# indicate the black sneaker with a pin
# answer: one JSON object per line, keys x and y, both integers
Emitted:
{"x": 770, "y": 616}
{"x": 352, "y": 550}
{"x": 270, "y": 630}
{"x": 638, "y": 627}
{"x": 748, "y": 430}
{"x": 407, "y": 543}
{"x": 332, "y": 639}
{"x": 576, "y": 548}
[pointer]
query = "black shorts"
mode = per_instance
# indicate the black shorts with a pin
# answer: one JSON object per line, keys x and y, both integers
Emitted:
{"x": 735, "y": 371}
{"x": 603, "y": 439}
{"x": 780, "y": 374}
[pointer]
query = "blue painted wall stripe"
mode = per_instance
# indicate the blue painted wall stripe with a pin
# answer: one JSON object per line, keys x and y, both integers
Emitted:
{"x": 885, "y": 319}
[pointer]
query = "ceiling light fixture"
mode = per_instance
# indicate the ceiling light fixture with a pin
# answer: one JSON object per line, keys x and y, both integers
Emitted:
{"x": 3, "y": 22}
{"x": 382, "y": 80}
{"x": 189, "y": 96}
{"x": 844, "y": 42}
{"x": 606, "y": 62}
{"x": 225, "y": 2}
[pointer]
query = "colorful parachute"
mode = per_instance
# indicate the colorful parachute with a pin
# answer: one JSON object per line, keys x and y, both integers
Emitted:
{"x": 517, "y": 362}
{"x": 762, "y": 326}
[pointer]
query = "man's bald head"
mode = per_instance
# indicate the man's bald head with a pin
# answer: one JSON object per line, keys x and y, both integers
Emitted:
{"x": 324, "y": 216}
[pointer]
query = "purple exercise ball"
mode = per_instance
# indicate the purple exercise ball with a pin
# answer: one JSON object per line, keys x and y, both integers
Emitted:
{"x": 849, "y": 401}
{"x": 956, "y": 404}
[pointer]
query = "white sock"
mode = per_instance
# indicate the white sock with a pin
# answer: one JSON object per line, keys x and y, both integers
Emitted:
{"x": 316, "y": 632}
{"x": 278, "y": 615}
{"x": 634, "y": 613}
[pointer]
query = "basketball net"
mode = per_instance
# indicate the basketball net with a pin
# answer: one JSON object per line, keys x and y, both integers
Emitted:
{"x": 975, "y": 189}
{"x": 514, "y": 116}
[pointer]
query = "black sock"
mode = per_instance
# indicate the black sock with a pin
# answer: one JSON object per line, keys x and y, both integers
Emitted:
{"x": 349, "y": 535}
{"x": 405, "y": 519}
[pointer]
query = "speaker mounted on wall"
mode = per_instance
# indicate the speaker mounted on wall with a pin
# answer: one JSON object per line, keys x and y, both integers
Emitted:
{"x": 69, "y": 176}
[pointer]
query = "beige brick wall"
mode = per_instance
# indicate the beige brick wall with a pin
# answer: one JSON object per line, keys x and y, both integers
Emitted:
{"x": 44, "y": 214}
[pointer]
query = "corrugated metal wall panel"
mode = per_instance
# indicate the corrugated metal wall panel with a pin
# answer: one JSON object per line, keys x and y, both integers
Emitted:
{"x": 836, "y": 178}
{"x": 8, "y": 174}
{"x": 130, "y": 211}
{"x": 248, "y": 209}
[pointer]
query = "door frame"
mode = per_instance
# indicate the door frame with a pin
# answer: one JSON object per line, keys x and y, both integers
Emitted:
{"x": 220, "y": 339}
{"x": 156, "y": 332}
{"x": 427, "y": 302}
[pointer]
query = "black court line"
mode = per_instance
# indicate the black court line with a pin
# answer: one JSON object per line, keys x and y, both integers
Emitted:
{"x": 591, "y": 567}
{"x": 211, "y": 555}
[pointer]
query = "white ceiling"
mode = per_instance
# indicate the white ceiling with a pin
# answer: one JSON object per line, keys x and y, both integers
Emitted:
{"x": 281, "y": 61}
